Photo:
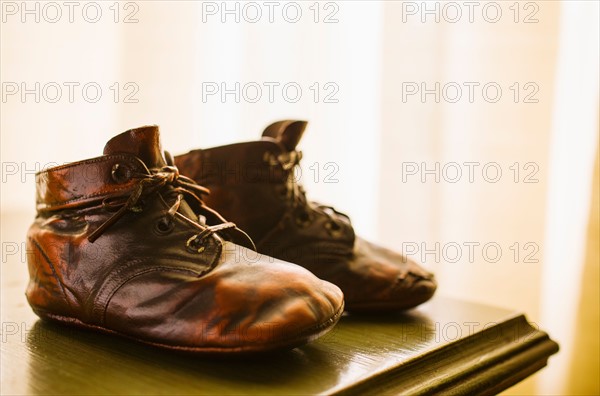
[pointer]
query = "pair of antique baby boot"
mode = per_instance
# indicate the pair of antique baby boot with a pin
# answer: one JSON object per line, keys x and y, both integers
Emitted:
{"x": 195, "y": 253}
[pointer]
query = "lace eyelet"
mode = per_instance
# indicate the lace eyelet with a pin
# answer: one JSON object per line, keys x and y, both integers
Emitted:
{"x": 333, "y": 228}
{"x": 332, "y": 225}
{"x": 120, "y": 173}
{"x": 192, "y": 245}
{"x": 303, "y": 219}
{"x": 164, "y": 226}
{"x": 270, "y": 158}
{"x": 267, "y": 156}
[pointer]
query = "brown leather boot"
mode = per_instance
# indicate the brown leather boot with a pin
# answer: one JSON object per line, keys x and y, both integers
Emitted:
{"x": 123, "y": 244}
{"x": 253, "y": 184}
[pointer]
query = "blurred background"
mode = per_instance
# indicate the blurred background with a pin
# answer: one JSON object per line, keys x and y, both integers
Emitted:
{"x": 464, "y": 134}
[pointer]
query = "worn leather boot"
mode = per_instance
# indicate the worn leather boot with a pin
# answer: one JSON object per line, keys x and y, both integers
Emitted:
{"x": 123, "y": 244}
{"x": 253, "y": 184}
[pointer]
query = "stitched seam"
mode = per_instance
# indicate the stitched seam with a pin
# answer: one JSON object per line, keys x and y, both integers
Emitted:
{"x": 47, "y": 206}
{"x": 137, "y": 274}
{"x": 99, "y": 297}
{"x": 42, "y": 206}
{"x": 90, "y": 161}
{"x": 105, "y": 291}
{"x": 54, "y": 273}
{"x": 129, "y": 159}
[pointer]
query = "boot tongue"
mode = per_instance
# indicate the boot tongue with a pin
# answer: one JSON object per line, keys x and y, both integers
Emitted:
{"x": 288, "y": 132}
{"x": 143, "y": 142}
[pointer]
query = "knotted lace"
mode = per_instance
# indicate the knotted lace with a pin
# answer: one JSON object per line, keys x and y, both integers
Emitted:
{"x": 296, "y": 194}
{"x": 169, "y": 181}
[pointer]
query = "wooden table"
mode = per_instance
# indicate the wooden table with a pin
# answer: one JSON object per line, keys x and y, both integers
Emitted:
{"x": 445, "y": 346}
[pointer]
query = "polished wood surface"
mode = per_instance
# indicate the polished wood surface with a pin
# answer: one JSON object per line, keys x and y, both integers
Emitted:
{"x": 445, "y": 346}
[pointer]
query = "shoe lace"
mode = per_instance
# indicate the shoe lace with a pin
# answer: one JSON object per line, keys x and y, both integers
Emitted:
{"x": 168, "y": 180}
{"x": 296, "y": 194}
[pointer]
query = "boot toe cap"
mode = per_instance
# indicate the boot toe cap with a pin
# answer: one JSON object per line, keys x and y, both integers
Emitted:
{"x": 389, "y": 281}
{"x": 239, "y": 307}
{"x": 280, "y": 304}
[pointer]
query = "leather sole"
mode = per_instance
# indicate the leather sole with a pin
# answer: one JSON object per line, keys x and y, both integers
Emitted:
{"x": 390, "y": 306}
{"x": 301, "y": 338}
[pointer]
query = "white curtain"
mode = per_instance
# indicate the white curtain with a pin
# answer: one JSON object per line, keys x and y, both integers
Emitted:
{"x": 407, "y": 92}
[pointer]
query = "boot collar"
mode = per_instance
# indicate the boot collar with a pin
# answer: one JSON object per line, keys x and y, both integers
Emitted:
{"x": 86, "y": 182}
